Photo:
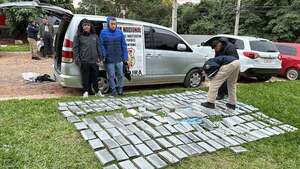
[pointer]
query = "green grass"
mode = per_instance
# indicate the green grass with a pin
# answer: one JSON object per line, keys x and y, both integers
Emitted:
{"x": 33, "y": 134}
{"x": 15, "y": 48}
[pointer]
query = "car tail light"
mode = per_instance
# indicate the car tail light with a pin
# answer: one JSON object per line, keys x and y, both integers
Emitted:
{"x": 251, "y": 55}
{"x": 67, "y": 51}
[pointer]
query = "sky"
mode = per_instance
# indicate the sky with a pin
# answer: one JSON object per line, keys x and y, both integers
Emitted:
{"x": 75, "y": 2}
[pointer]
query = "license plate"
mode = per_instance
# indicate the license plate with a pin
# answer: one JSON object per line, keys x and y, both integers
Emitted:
{"x": 268, "y": 61}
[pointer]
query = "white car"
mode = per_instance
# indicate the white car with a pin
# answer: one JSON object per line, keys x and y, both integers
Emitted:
{"x": 259, "y": 57}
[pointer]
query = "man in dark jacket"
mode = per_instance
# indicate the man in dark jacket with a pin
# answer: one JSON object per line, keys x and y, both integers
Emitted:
{"x": 87, "y": 52}
{"x": 227, "y": 49}
{"x": 114, "y": 49}
{"x": 46, "y": 34}
{"x": 32, "y": 31}
{"x": 221, "y": 69}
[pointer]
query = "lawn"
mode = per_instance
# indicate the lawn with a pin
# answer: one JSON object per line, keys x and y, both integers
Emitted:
{"x": 14, "y": 48}
{"x": 33, "y": 134}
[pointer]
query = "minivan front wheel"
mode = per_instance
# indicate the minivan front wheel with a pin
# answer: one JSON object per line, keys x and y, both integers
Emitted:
{"x": 263, "y": 78}
{"x": 292, "y": 74}
{"x": 103, "y": 85}
{"x": 193, "y": 79}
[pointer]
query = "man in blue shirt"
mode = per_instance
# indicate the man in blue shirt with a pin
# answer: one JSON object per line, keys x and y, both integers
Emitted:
{"x": 114, "y": 51}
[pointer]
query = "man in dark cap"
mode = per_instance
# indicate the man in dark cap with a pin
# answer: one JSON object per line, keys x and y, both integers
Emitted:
{"x": 221, "y": 69}
{"x": 226, "y": 49}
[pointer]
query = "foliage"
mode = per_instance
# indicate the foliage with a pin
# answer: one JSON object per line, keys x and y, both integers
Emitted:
{"x": 14, "y": 48}
{"x": 277, "y": 20}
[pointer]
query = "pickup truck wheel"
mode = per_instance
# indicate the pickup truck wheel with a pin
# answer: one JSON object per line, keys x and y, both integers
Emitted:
{"x": 292, "y": 74}
{"x": 103, "y": 85}
{"x": 193, "y": 79}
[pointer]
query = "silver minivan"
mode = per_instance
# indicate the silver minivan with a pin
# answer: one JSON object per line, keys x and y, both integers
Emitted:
{"x": 158, "y": 55}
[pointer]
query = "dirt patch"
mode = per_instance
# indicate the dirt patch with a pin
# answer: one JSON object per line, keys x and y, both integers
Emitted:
{"x": 12, "y": 85}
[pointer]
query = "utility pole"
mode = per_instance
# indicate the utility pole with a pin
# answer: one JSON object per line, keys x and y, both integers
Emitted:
{"x": 174, "y": 16}
{"x": 237, "y": 17}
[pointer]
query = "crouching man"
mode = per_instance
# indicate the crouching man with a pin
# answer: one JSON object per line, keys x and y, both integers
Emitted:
{"x": 220, "y": 69}
{"x": 88, "y": 55}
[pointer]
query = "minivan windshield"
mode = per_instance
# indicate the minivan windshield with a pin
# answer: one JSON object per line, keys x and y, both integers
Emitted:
{"x": 263, "y": 46}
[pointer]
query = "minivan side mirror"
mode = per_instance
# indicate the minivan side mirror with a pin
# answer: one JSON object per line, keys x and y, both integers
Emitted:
{"x": 202, "y": 43}
{"x": 181, "y": 47}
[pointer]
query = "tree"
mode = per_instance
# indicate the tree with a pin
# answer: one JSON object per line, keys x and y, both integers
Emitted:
{"x": 147, "y": 10}
{"x": 151, "y": 11}
{"x": 276, "y": 20}
{"x": 204, "y": 26}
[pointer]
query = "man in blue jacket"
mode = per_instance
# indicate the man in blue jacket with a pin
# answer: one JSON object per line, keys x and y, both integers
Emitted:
{"x": 114, "y": 51}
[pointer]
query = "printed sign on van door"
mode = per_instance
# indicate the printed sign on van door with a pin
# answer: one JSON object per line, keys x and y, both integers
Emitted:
{"x": 134, "y": 36}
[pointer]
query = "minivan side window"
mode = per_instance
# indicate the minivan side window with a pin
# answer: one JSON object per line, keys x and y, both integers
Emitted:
{"x": 166, "y": 40}
{"x": 287, "y": 50}
{"x": 148, "y": 37}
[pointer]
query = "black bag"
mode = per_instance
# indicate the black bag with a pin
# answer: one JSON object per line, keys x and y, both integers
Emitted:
{"x": 44, "y": 78}
{"x": 126, "y": 71}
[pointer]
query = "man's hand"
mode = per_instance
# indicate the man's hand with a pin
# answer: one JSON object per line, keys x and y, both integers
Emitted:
{"x": 129, "y": 65}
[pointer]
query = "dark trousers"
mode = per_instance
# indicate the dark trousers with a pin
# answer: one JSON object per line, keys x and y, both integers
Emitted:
{"x": 89, "y": 77}
{"x": 48, "y": 43}
{"x": 223, "y": 91}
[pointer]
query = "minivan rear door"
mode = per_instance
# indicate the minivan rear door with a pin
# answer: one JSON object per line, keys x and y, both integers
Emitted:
{"x": 59, "y": 12}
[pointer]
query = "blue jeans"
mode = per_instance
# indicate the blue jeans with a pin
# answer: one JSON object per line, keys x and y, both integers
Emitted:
{"x": 115, "y": 76}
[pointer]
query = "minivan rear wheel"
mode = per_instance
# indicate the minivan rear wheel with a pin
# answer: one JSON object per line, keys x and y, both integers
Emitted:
{"x": 103, "y": 85}
{"x": 193, "y": 79}
{"x": 292, "y": 74}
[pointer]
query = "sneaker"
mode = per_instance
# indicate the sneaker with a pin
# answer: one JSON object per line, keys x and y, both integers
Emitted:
{"x": 208, "y": 105}
{"x": 86, "y": 94}
{"x": 230, "y": 106}
{"x": 99, "y": 94}
{"x": 114, "y": 94}
{"x": 120, "y": 91}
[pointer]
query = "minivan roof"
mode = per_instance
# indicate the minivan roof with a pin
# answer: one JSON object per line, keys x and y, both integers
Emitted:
{"x": 103, "y": 18}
